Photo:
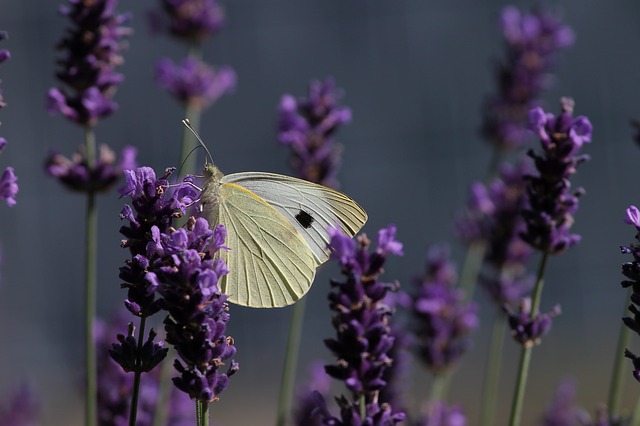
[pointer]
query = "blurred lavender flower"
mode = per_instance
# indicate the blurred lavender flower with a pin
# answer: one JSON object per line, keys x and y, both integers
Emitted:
{"x": 191, "y": 20}
{"x": 361, "y": 320}
{"x": 307, "y": 125}
{"x": 8, "y": 179}
{"x": 93, "y": 49}
{"x": 440, "y": 414}
{"x": 306, "y": 413}
{"x": 493, "y": 216}
{"x": 532, "y": 42}
{"x": 76, "y": 174}
{"x": 193, "y": 82}
{"x": 549, "y": 214}
{"x": 527, "y": 329}
{"x": 115, "y": 387}
{"x": 20, "y": 408}
{"x": 186, "y": 276}
{"x": 442, "y": 320}
{"x": 564, "y": 411}
{"x": 631, "y": 270}
{"x": 155, "y": 205}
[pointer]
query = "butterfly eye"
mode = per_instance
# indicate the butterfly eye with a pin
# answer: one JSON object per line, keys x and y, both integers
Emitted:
{"x": 304, "y": 219}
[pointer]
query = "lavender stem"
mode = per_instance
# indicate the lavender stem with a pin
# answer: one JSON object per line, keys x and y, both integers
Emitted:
{"x": 135, "y": 392}
{"x": 290, "y": 362}
{"x": 439, "y": 387}
{"x": 615, "y": 389}
{"x": 164, "y": 393}
{"x": 492, "y": 378}
{"x": 91, "y": 235}
{"x": 202, "y": 413}
{"x": 525, "y": 356}
{"x": 471, "y": 267}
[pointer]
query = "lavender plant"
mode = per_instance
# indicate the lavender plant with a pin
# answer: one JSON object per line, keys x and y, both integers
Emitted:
{"x": 91, "y": 50}
{"x": 307, "y": 126}
{"x": 8, "y": 179}
{"x": 548, "y": 219}
{"x": 361, "y": 320}
{"x": 20, "y": 407}
{"x": 193, "y": 82}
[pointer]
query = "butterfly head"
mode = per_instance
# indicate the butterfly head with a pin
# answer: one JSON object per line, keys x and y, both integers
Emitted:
{"x": 211, "y": 172}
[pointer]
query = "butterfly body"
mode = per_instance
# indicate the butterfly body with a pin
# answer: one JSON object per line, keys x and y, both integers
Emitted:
{"x": 276, "y": 231}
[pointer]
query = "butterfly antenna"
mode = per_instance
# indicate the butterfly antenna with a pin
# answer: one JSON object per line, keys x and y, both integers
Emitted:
{"x": 188, "y": 126}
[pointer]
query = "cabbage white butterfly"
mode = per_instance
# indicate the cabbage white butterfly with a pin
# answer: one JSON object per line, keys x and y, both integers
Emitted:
{"x": 276, "y": 230}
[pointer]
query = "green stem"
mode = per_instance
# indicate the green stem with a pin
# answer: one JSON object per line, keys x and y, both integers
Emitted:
{"x": 439, "y": 387}
{"x": 635, "y": 418}
{"x": 290, "y": 362}
{"x": 135, "y": 392}
{"x": 202, "y": 413}
{"x": 525, "y": 355}
{"x": 164, "y": 392}
{"x": 91, "y": 246}
{"x": 362, "y": 402}
{"x": 492, "y": 377}
{"x": 192, "y": 113}
{"x": 471, "y": 267}
{"x": 615, "y": 388}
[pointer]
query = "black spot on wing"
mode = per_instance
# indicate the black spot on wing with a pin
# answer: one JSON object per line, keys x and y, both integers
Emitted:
{"x": 304, "y": 219}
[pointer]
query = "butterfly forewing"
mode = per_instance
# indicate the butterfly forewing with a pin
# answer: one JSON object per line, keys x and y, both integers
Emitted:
{"x": 270, "y": 263}
{"x": 309, "y": 207}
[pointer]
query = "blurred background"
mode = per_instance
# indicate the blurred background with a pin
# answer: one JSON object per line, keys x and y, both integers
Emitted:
{"x": 415, "y": 74}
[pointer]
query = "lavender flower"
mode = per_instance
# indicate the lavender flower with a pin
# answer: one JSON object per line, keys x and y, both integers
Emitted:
{"x": 186, "y": 276}
{"x": 115, "y": 387}
{"x": 306, "y": 413}
{"x": 631, "y": 270}
{"x": 440, "y": 414}
{"x": 92, "y": 50}
{"x": 193, "y": 82}
{"x": 532, "y": 42}
{"x": 441, "y": 317}
{"x": 8, "y": 179}
{"x": 526, "y": 329}
{"x": 153, "y": 207}
{"x": 549, "y": 215}
{"x": 193, "y": 20}
{"x": 20, "y": 408}
{"x": 307, "y": 126}
{"x": 564, "y": 411}
{"x": 361, "y": 320}
{"x": 76, "y": 174}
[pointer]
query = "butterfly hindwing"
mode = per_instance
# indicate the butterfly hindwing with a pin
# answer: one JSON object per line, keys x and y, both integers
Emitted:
{"x": 271, "y": 264}
{"x": 309, "y": 207}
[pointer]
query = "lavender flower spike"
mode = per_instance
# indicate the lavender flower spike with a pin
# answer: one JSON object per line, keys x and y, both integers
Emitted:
{"x": 528, "y": 330}
{"x": 442, "y": 320}
{"x": 532, "y": 42}
{"x": 186, "y": 276}
{"x": 361, "y": 320}
{"x": 549, "y": 215}
{"x": 92, "y": 50}
{"x": 308, "y": 125}
{"x": 8, "y": 179}
{"x": 193, "y": 20}
{"x": 193, "y": 82}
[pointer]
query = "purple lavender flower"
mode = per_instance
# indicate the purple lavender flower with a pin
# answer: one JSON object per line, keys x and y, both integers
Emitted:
{"x": 532, "y": 42}
{"x": 186, "y": 276}
{"x": 306, "y": 412}
{"x": 76, "y": 174}
{"x": 440, "y": 414}
{"x": 115, "y": 387}
{"x": 526, "y": 329}
{"x": 92, "y": 49}
{"x": 20, "y": 408}
{"x": 493, "y": 216}
{"x": 442, "y": 320}
{"x": 154, "y": 205}
{"x": 363, "y": 334}
{"x": 193, "y": 82}
{"x": 8, "y": 180}
{"x": 551, "y": 205}
{"x": 192, "y": 20}
{"x": 564, "y": 411}
{"x": 631, "y": 271}
{"x": 307, "y": 125}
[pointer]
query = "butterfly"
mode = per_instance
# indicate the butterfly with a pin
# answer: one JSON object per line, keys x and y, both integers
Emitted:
{"x": 276, "y": 230}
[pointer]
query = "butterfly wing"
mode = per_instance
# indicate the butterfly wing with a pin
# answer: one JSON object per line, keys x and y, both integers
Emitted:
{"x": 271, "y": 264}
{"x": 309, "y": 207}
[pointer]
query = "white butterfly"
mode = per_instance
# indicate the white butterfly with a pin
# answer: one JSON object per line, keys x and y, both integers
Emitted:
{"x": 276, "y": 231}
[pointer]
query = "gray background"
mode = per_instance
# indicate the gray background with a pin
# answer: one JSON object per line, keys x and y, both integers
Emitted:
{"x": 414, "y": 74}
